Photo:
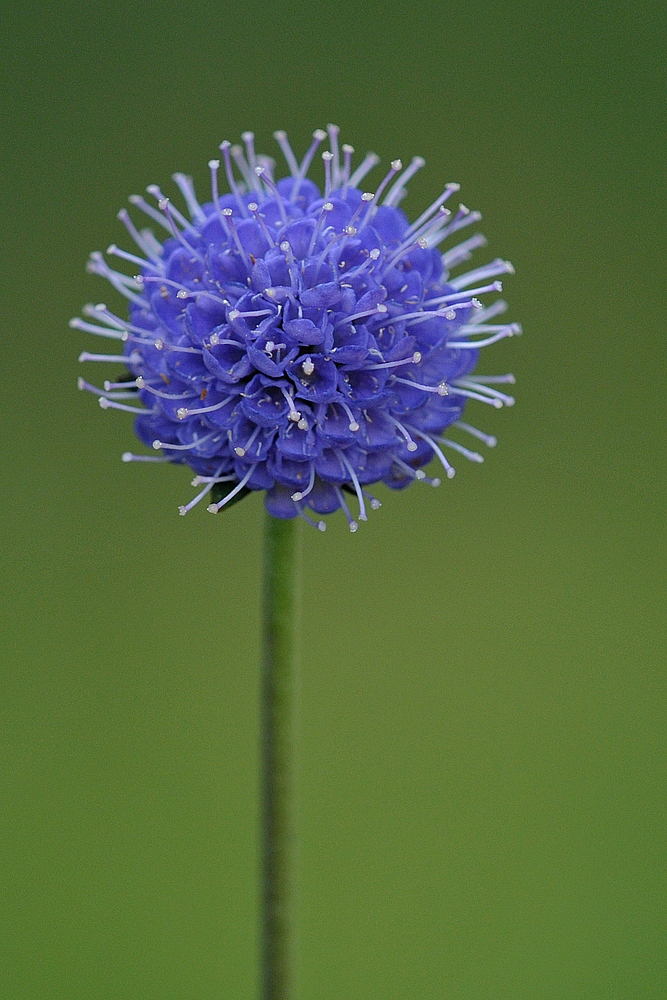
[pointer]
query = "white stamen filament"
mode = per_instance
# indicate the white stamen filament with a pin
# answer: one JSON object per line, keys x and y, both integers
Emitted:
{"x": 301, "y": 494}
{"x": 489, "y": 440}
{"x": 215, "y": 507}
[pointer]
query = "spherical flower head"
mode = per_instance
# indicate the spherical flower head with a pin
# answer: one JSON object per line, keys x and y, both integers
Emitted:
{"x": 300, "y": 342}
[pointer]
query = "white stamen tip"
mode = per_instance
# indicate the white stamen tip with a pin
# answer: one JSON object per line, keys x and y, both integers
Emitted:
{"x": 321, "y": 525}
{"x": 112, "y": 248}
{"x": 234, "y": 314}
{"x": 354, "y": 526}
{"x": 374, "y": 254}
{"x": 412, "y": 446}
{"x": 214, "y": 164}
{"x": 104, "y": 402}
{"x": 157, "y": 444}
{"x": 182, "y": 510}
{"x": 181, "y": 294}
{"x": 212, "y": 508}
{"x": 284, "y": 246}
{"x": 182, "y": 412}
{"x": 396, "y": 165}
{"x": 422, "y": 242}
{"x": 354, "y": 426}
{"x": 450, "y": 314}
{"x": 297, "y": 496}
{"x": 435, "y": 482}
{"x": 451, "y": 473}
{"x": 367, "y": 196}
{"x": 375, "y": 504}
{"x": 80, "y": 383}
{"x": 319, "y": 134}
{"x": 159, "y": 344}
{"x": 327, "y": 207}
{"x": 126, "y": 456}
{"x": 162, "y": 204}
{"x": 420, "y": 474}
{"x": 416, "y": 358}
{"x": 442, "y": 389}
{"x": 240, "y": 451}
{"x": 139, "y": 382}
{"x": 308, "y": 367}
{"x": 303, "y": 424}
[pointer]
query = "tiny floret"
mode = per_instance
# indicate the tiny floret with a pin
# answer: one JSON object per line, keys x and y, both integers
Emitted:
{"x": 301, "y": 341}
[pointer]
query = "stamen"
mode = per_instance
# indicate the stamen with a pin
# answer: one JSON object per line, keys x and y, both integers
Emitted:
{"x": 101, "y": 331}
{"x": 142, "y": 204}
{"x": 494, "y": 379}
{"x": 460, "y": 221}
{"x": 227, "y": 212}
{"x": 373, "y": 502}
{"x": 215, "y": 507}
{"x": 140, "y": 240}
{"x": 449, "y": 190}
{"x": 333, "y": 131}
{"x": 233, "y": 187}
{"x": 318, "y": 137}
{"x": 240, "y": 161}
{"x": 249, "y": 140}
{"x": 505, "y": 331}
{"x": 326, "y": 208}
{"x": 293, "y": 415}
{"x": 396, "y": 165}
{"x": 107, "y": 404}
{"x": 183, "y": 510}
{"x": 117, "y": 252}
{"x": 128, "y": 456}
{"x": 263, "y": 173}
{"x": 462, "y": 252}
{"x": 470, "y": 383}
{"x": 379, "y": 309}
{"x": 495, "y": 286}
{"x": 496, "y": 309}
{"x": 497, "y": 403}
{"x": 240, "y": 451}
{"x": 451, "y": 472}
{"x": 88, "y": 387}
{"x": 98, "y": 265}
{"x": 187, "y": 189}
{"x": 497, "y": 266}
{"x": 177, "y": 216}
{"x": 394, "y": 193}
{"x": 441, "y": 389}
{"x": 302, "y": 494}
{"x": 184, "y": 412}
{"x": 320, "y": 525}
{"x": 346, "y": 510}
{"x": 198, "y": 480}
{"x": 353, "y": 425}
{"x": 165, "y": 206}
{"x": 282, "y": 140}
{"x": 414, "y": 360}
{"x": 161, "y": 445}
{"x": 369, "y": 161}
{"x": 348, "y": 152}
{"x": 254, "y": 208}
{"x": 214, "y": 166}
{"x": 411, "y": 446}
{"x": 141, "y": 383}
{"x": 124, "y": 359}
{"x": 355, "y": 482}
{"x": 327, "y": 157}
{"x": 489, "y": 440}
{"x": 472, "y": 456}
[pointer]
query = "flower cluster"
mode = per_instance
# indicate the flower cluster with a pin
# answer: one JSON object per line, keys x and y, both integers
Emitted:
{"x": 295, "y": 341}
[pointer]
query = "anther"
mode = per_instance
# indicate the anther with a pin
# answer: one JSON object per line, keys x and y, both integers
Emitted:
{"x": 308, "y": 367}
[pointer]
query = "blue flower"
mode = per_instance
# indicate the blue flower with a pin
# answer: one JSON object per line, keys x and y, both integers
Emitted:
{"x": 299, "y": 342}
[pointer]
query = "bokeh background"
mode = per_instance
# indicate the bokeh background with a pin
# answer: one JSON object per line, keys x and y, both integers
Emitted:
{"x": 482, "y": 756}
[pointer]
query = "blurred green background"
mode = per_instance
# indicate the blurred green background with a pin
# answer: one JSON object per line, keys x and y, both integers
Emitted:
{"x": 482, "y": 761}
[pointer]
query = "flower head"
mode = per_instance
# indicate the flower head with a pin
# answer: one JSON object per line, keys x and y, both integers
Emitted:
{"x": 301, "y": 342}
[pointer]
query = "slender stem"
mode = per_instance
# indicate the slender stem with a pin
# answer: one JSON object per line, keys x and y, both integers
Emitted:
{"x": 278, "y": 724}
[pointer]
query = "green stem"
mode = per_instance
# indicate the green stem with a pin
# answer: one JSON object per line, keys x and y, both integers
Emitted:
{"x": 278, "y": 725}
